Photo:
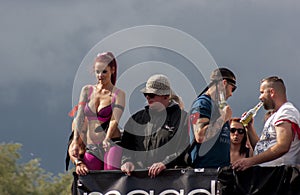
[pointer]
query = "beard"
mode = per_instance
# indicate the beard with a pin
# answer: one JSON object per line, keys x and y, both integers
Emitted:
{"x": 269, "y": 104}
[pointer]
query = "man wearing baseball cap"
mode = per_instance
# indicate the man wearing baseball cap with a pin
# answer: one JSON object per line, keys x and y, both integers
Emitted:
{"x": 152, "y": 137}
{"x": 209, "y": 126}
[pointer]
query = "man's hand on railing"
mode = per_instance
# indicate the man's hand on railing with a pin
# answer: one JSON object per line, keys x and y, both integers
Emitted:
{"x": 155, "y": 169}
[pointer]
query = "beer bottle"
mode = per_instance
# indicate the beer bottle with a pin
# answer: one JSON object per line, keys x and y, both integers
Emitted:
{"x": 222, "y": 101}
{"x": 250, "y": 114}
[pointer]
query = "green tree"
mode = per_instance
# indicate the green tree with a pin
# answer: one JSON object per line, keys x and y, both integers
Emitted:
{"x": 28, "y": 178}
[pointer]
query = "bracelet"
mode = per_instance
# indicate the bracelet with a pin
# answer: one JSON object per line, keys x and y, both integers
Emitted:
{"x": 77, "y": 162}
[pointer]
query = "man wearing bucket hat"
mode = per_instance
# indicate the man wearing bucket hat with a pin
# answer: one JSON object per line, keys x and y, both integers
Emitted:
{"x": 153, "y": 137}
{"x": 209, "y": 126}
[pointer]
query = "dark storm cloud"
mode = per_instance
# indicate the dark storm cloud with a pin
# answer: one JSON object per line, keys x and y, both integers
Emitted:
{"x": 43, "y": 43}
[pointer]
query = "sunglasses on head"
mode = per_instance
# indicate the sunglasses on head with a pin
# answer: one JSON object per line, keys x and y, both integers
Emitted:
{"x": 150, "y": 95}
{"x": 239, "y": 130}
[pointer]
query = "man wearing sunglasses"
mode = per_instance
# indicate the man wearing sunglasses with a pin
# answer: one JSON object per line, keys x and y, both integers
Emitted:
{"x": 279, "y": 143}
{"x": 154, "y": 138}
{"x": 209, "y": 126}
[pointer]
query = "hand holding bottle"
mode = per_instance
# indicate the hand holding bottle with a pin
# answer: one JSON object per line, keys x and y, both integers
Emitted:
{"x": 226, "y": 113}
{"x": 250, "y": 114}
{"x": 250, "y": 123}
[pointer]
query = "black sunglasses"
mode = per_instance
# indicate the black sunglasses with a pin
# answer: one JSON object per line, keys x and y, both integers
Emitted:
{"x": 239, "y": 130}
{"x": 150, "y": 95}
{"x": 232, "y": 83}
{"x": 233, "y": 87}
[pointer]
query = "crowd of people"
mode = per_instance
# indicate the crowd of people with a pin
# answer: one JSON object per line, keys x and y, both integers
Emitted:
{"x": 163, "y": 135}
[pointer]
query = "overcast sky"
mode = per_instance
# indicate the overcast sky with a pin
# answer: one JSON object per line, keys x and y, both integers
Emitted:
{"x": 44, "y": 42}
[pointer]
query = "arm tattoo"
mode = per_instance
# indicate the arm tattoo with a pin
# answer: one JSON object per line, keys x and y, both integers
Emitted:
{"x": 119, "y": 106}
{"x": 214, "y": 129}
{"x": 79, "y": 119}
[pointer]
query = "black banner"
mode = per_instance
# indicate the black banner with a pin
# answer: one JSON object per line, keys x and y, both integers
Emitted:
{"x": 179, "y": 182}
{"x": 256, "y": 180}
{"x": 281, "y": 180}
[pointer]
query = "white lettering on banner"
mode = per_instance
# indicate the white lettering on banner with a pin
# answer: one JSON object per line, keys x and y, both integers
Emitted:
{"x": 165, "y": 192}
{"x": 212, "y": 187}
{"x": 112, "y": 192}
{"x": 141, "y": 192}
{"x": 199, "y": 191}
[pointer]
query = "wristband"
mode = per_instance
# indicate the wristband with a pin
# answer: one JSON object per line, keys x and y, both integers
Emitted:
{"x": 77, "y": 162}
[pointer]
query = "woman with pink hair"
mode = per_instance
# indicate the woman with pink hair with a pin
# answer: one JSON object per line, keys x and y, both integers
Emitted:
{"x": 99, "y": 110}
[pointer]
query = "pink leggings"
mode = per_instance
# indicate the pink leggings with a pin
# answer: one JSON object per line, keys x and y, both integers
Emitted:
{"x": 112, "y": 160}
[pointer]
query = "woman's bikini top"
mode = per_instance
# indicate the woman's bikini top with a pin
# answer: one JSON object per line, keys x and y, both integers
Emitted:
{"x": 105, "y": 113}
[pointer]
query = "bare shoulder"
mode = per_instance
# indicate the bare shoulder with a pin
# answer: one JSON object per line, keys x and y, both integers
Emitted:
{"x": 121, "y": 93}
{"x": 120, "y": 97}
{"x": 86, "y": 88}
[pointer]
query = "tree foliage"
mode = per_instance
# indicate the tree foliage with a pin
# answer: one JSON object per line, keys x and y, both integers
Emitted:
{"x": 28, "y": 178}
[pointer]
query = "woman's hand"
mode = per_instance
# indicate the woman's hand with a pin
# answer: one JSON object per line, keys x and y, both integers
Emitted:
{"x": 81, "y": 168}
{"x": 106, "y": 144}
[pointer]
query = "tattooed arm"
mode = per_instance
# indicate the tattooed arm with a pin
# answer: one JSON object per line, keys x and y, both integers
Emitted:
{"x": 79, "y": 119}
{"x": 204, "y": 129}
